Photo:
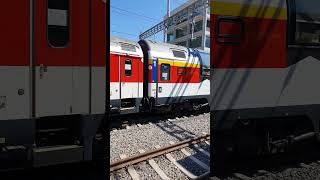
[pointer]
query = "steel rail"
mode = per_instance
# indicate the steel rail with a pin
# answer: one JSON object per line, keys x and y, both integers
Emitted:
{"x": 155, "y": 153}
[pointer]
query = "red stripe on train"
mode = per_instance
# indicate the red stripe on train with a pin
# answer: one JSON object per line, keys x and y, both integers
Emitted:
{"x": 189, "y": 75}
{"x": 136, "y": 69}
{"x": 263, "y": 45}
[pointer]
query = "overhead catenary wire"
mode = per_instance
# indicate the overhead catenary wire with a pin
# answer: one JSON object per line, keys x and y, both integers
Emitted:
{"x": 119, "y": 32}
{"x": 136, "y": 14}
{"x": 127, "y": 15}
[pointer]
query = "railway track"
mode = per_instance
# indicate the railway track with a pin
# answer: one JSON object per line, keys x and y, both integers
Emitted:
{"x": 125, "y": 121}
{"x": 127, "y": 163}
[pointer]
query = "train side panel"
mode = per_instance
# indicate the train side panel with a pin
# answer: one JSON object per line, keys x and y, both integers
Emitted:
{"x": 126, "y": 87}
{"x": 174, "y": 75}
{"x": 48, "y": 65}
{"x": 244, "y": 69}
{"x": 15, "y": 74}
{"x": 263, "y": 86}
{"x": 98, "y": 57}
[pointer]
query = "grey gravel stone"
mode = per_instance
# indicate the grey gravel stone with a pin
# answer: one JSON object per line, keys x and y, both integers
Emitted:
{"x": 199, "y": 155}
{"x": 204, "y": 146}
{"x": 312, "y": 172}
{"x": 121, "y": 174}
{"x": 129, "y": 141}
{"x": 188, "y": 163}
{"x": 145, "y": 171}
{"x": 169, "y": 169}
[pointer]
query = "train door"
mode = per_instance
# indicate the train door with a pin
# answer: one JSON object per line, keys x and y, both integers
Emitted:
{"x": 164, "y": 92}
{"x": 61, "y": 54}
{"x": 115, "y": 81}
{"x": 129, "y": 81}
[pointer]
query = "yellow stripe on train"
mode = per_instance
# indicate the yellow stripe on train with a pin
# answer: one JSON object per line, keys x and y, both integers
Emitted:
{"x": 248, "y": 10}
{"x": 176, "y": 63}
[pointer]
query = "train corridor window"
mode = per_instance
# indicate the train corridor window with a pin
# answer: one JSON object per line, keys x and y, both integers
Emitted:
{"x": 58, "y": 22}
{"x": 179, "y": 54}
{"x": 128, "y": 47}
{"x": 165, "y": 72}
{"x": 307, "y": 22}
{"x": 128, "y": 67}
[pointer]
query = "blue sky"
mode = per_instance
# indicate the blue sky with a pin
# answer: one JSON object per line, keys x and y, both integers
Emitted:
{"x": 128, "y": 18}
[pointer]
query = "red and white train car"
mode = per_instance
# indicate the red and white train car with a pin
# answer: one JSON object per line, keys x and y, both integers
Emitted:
{"x": 126, "y": 76}
{"x": 53, "y": 80}
{"x": 148, "y": 76}
{"x": 264, "y": 83}
{"x": 176, "y": 76}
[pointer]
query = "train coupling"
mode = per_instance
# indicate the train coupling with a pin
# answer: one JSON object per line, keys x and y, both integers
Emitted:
{"x": 291, "y": 141}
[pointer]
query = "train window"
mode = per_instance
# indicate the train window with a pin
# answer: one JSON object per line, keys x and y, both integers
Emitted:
{"x": 128, "y": 47}
{"x": 165, "y": 72}
{"x": 58, "y": 22}
{"x": 205, "y": 65}
{"x": 181, "y": 71}
{"x": 179, "y": 54}
{"x": 128, "y": 67}
{"x": 307, "y": 22}
{"x": 229, "y": 30}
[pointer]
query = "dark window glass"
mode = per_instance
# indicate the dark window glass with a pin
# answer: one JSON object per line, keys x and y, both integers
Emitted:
{"x": 180, "y": 32}
{"x": 58, "y": 22}
{"x": 196, "y": 43}
{"x": 179, "y": 54}
{"x": 182, "y": 43}
{"x": 205, "y": 64}
{"x": 307, "y": 22}
{"x": 165, "y": 72}
{"x": 128, "y": 67}
{"x": 128, "y": 47}
{"x": 198, "y": 26}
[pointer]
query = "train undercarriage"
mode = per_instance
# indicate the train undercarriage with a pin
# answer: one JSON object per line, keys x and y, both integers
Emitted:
{"x": 53, "y": 141}
{"x": 252, "y": 138}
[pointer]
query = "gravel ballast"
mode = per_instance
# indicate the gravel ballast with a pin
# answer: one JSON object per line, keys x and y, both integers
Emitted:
{"x": 169, "y": 169}
{"x": 199, "y": 155}
{"x": 188, "y": 163}
{"x": 146, "y": 137}
{"x": 120, "y": 175}
{"x": 145, "y": 171}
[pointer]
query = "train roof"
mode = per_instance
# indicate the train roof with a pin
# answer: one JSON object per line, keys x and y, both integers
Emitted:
{"x": 124, "y": 46}
{"x": 165, "y": 50}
